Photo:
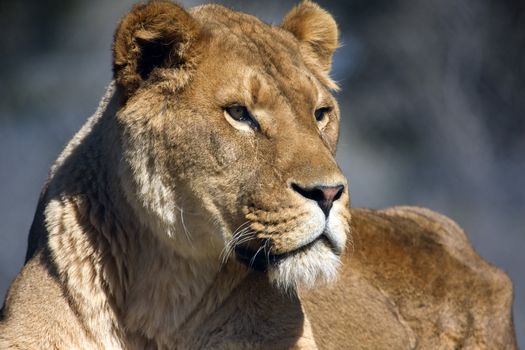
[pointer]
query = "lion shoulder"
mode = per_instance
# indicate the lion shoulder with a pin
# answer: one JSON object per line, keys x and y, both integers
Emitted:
{"x": 35, "y": 300}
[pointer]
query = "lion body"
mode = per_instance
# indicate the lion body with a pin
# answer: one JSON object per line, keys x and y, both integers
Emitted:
{"x": 412, "y": 282}
{"x": 134, "y": 240}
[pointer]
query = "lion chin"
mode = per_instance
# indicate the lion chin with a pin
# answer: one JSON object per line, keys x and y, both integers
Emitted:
{"x": 315, "y": 263}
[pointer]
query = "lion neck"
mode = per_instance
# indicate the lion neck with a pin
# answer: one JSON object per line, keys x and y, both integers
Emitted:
{"x": 168, "y": 296}
{"x": 108, "y": 260}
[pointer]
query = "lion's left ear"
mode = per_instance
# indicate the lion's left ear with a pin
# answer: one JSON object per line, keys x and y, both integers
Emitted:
{"x": 316, "y": 28}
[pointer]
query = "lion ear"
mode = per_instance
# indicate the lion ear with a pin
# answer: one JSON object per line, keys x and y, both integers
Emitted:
{"x": 156, "y": 34}
{"x": 316, "y": 28}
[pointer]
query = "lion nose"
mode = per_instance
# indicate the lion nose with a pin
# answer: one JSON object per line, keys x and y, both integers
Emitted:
{"x": 325, "y": 196}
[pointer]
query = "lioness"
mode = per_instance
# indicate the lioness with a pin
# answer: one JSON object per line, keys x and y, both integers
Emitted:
{"x": 201, "y": 203}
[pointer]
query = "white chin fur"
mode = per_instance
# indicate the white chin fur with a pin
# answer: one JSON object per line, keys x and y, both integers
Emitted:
{"x": 317, "y": 265}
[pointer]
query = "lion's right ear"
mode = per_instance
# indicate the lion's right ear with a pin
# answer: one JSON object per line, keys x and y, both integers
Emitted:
{"x": 158, "y": 34}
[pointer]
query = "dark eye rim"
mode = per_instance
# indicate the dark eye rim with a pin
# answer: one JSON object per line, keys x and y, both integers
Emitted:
{"x": 246, "y": 117}
{"x": 322, "y": 112}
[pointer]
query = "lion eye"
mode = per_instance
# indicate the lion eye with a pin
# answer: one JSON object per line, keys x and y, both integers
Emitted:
{"x": 242, "y": 115}
{"x": 320, "y": 113}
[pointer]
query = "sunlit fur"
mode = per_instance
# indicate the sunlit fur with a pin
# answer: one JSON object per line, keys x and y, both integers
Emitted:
{"x": 208, "y": 174}
{"x": 139, "y": 220}
{"x": 137, "y": 237}
{"x": 318, "y": 266}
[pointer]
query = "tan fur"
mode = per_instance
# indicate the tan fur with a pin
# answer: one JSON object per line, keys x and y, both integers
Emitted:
{"x": 316, "y": 30}
{"x": 135, "y": 240}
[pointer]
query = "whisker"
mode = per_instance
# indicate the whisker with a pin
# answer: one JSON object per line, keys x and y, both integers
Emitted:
{"x": 241, "y": 225}
{"x": 186, "y": 232}
{"x": 229, "y": 248}
{"x": 255, "y": 255}
{"x": 267, "y": 250}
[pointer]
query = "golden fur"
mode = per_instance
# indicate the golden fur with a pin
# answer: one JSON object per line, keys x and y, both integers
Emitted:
{"x": 168, "y": 222}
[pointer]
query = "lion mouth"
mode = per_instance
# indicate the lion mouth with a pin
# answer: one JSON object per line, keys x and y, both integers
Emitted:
{"x": 260, "y": 260}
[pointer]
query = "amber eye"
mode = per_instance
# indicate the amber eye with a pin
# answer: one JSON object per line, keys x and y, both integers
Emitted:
{"x": 241, "y": 114}
{"x": 321, "y": 113}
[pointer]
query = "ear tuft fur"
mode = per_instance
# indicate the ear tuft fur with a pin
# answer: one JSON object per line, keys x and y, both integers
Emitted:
{"x": 156, "y": 34}
{"x": 315, "y": 27}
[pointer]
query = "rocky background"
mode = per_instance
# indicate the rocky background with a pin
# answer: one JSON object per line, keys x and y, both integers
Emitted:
{"x": 433, "y": 106}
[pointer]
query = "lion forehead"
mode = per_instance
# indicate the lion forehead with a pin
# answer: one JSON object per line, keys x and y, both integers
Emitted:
{"x": 269, "y": 50}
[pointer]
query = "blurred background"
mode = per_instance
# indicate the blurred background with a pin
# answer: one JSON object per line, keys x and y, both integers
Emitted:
{"x": 433, "y": 109}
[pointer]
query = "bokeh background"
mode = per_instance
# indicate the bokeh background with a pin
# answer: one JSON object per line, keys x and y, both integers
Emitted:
{"x": 433, "y": 106}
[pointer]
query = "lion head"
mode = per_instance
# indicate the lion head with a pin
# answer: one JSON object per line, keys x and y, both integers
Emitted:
{"x": 229, "y": 132}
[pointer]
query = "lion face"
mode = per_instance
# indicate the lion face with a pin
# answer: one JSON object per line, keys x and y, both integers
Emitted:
{"x": 229, "y": 133}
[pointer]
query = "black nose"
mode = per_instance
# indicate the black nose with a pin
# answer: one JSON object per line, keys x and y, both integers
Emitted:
{"x": 325, "y": 196}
